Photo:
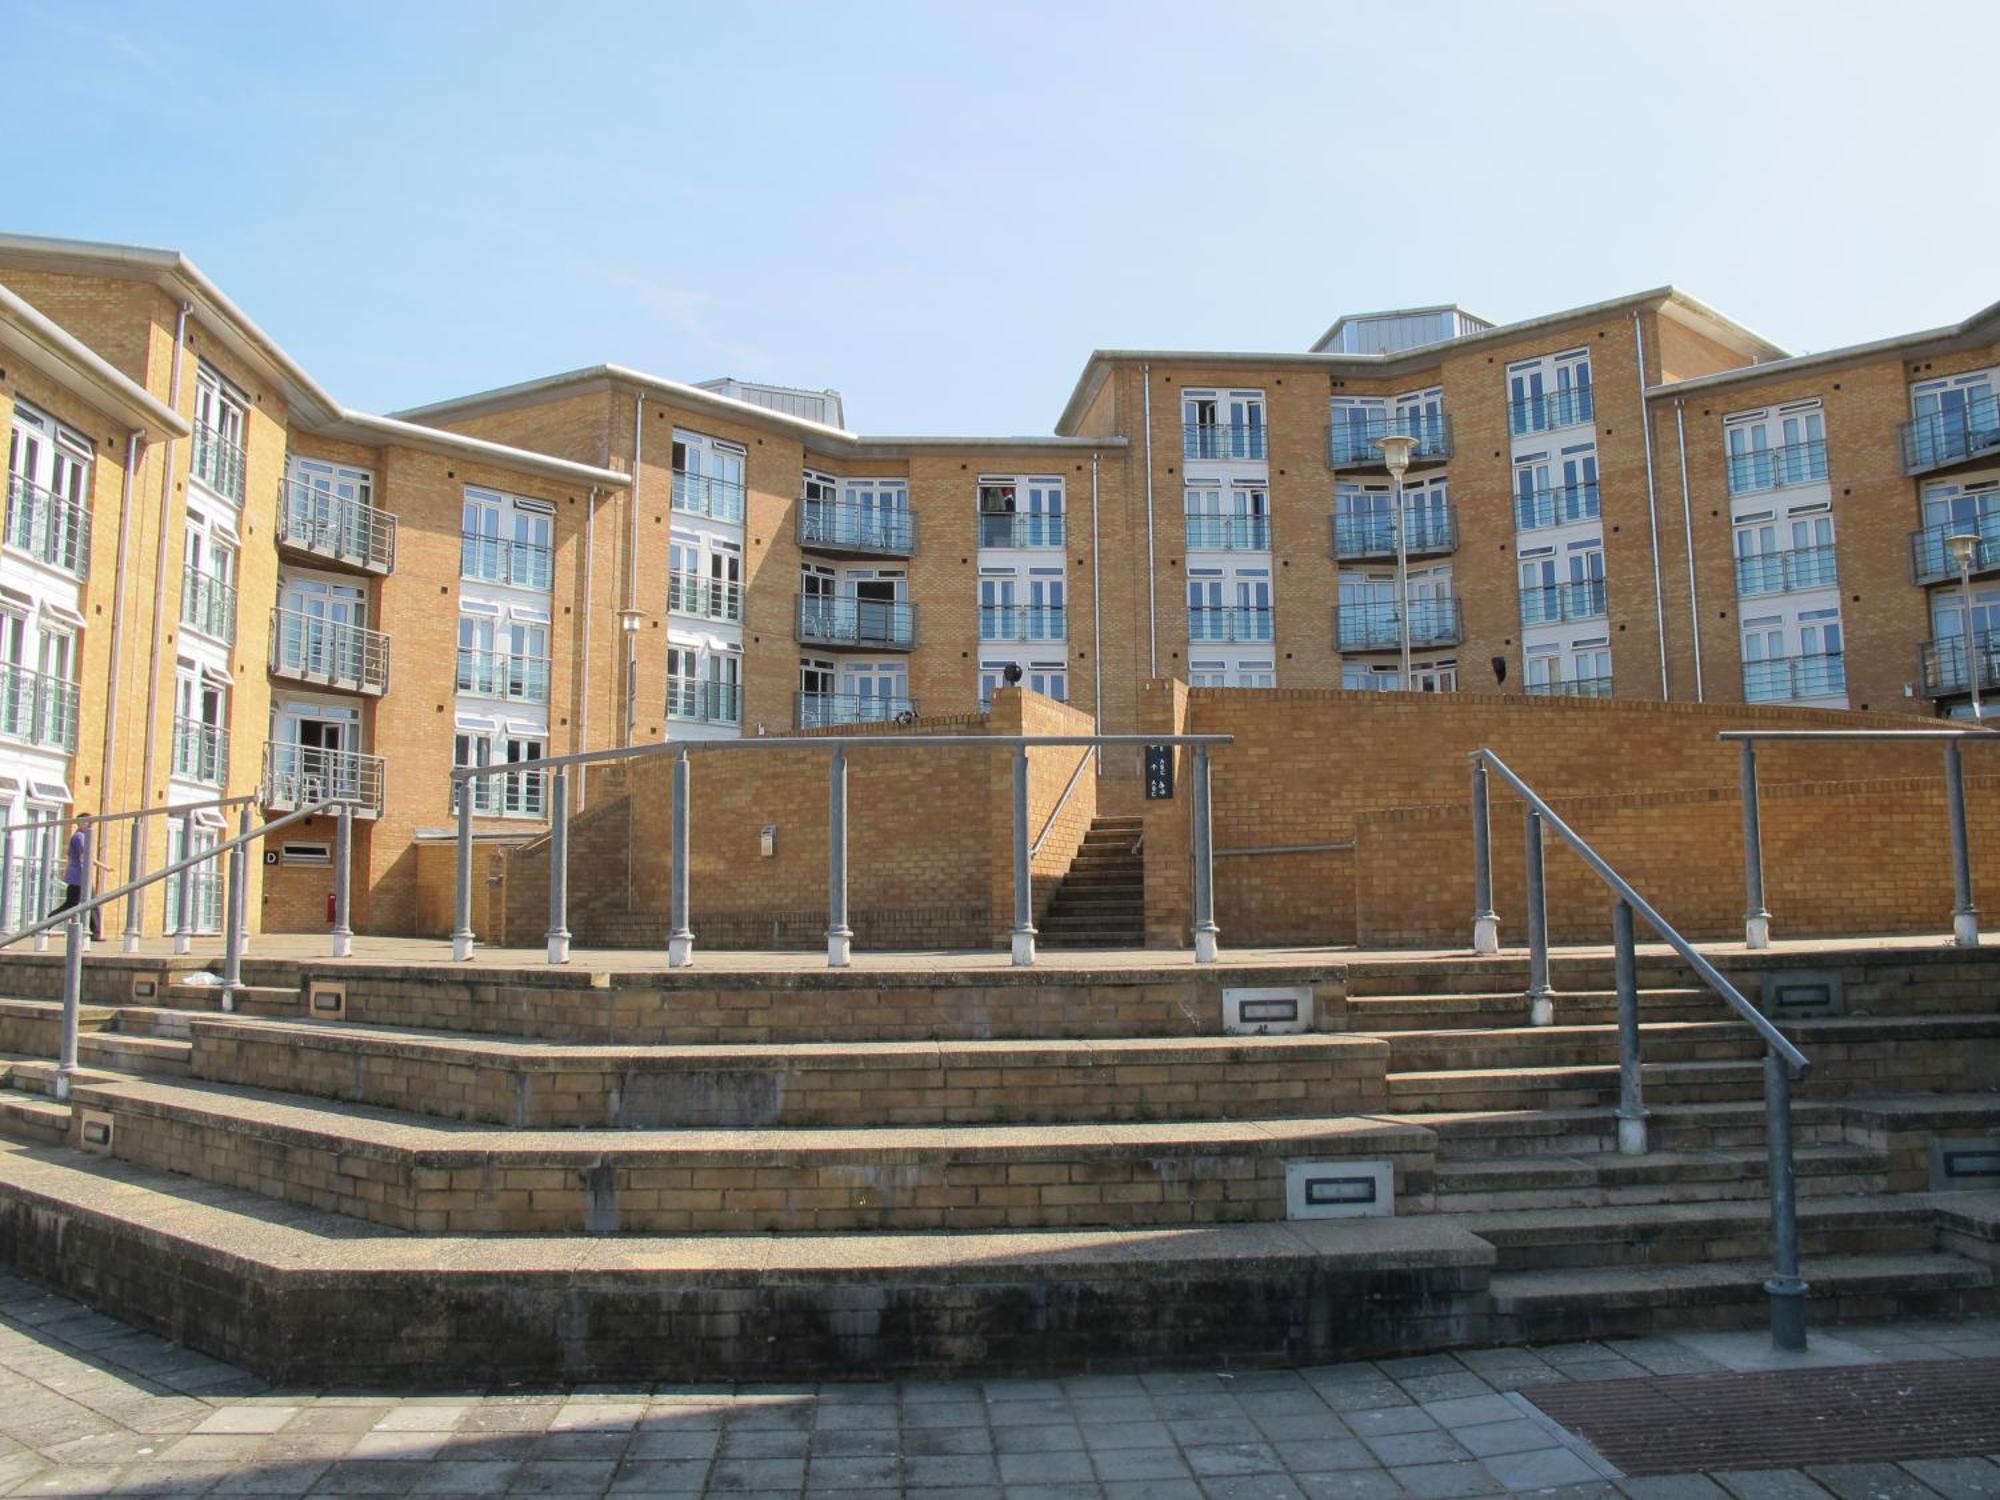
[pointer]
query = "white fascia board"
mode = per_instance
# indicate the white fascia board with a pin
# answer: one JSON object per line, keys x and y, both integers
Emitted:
{"x": 75, "y": 366}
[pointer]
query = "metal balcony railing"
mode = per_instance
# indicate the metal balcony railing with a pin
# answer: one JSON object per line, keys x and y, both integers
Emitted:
{"x": 1941, "y": 664}
{"x": 201, "y": 751}
{"x": 1777, "y": 468}
{"x": 1931, "y": 560}
{"x": 506, "y": 794}
{"x": 702, "y": 598}
{"x": 1377, "y": 626}
{"x": 1785, "y": 572}
{"x": 1207, "y": 533}
{"x": 693, "y": 701}
{"x": 493, "y": 559}
{"x": 842, "y": 526}
{"x": 338, "y": 529}
{"x": 313, "y": 649}
{"x": 1229, "y": 622}
{"x": 31, "y": 886}
{"x": 1547, "y": 604}
{"x": 707, "y": 495}
{"x": 208, "y": 605}
{"x": 1223, "y": 440}
{"x": 1949, "y": 437}
{"x": 1023, "y": 622}
{"x": 1560, "y": 505}
{"x": 876, "y": 623}
{"x": 1780, "y": 679}
{"x": 1427, "y": 531}
{"x": 1552, "y": 409}
{"x": 1021, "y": 529}
{"x": 825, "y": 710}
{"x": 218, "y": 463}
{"x": 48, "y": 527}
{"x": 1572, "y": 687}
{"x": 1350, "y": 441}
{"x": 501, "y": 674}
{"x": 302, "y": 776}
{"x": 37, "y": 709}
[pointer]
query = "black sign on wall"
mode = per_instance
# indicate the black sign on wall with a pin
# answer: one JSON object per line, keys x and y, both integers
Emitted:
{"x": 1159, "y": 773}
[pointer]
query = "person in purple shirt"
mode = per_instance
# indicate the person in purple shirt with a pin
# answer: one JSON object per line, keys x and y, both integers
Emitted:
{"x": 74, "y": 861}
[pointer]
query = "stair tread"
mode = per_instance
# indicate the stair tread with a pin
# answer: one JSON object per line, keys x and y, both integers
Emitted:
{"x": 1522, "y": 1224}
{"x": 1674, "y": 1280}
{"x": 1547, "y": 1070}
{"x": 1497, "y": 1169}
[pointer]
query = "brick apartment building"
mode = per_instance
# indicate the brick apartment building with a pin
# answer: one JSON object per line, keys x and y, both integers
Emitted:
{"x": 1637, "y": 498}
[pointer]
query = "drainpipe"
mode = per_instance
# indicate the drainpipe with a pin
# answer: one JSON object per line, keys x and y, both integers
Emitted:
{"x": 589, "y": 605}
{"x": 1652, "y": 507}
{"x": 135, "y": 454}
{"x": 1152, "y": 606}
{"x": 1096, "y": 616}
{"x": 632, "y": 572}
{"x": 151, "y": 759}
{"x": 1687, "y": 525}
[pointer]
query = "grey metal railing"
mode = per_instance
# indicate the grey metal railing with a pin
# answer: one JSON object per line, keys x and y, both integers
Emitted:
{"x": 1759, "y": 469}
{"x": 1232, "y": 533}
{"x": 1558, "y": 505}
{"x": 1931, "y": 560}
{"x": 708, "y": 495}
{"x": 1351, "y": 439}
{"x": 1782, "y": 1059}
{"x": 1023, "y": 622}
{"x": 50, "y": 528}
{"x": 839, "y": 936}
{"x": 1570, "y": 687}
{"x": 208, "y": 604}
{"x": 313, "y": 648}
{"x": 829, "y": 710}
{"x": 1377, "y": 625}
{"x": 502, "y": 674}
{"x": 297, "y": 776}
{"x": 333, "y": 526}
{"x": 1949, "y": 437}
{"x": 697, "y": 700}
{"x": 1785, "y": 572}
{"x": 1569, "y": 407}
{"x": 494, "y": 559}
{"x": 1943, "y": 666}
{"x": 201, "y": 750}
{"x": 700, "y": 597}
{"x": 843, "y": 620}
{"x": 844, "y": 526}
{"x": 1230, "y": 622}
{"x": 37, "y": 708}
{"x": 218, "y": 463}
{"x": 1428, "y": 528}
{"x": 1023, "y": 528}
{"x": 1223, "y": 440}
{"x": 1779, "y": 679}
{"x": 1547, "y": 603}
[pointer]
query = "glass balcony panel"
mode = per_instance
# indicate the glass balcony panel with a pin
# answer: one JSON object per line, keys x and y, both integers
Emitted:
{"x": 1023, "y": 622}
{"x": 1942, "y": 664}
{"x": 1211, "y": 533}
{"x": 707, "y": 495}
{"x": 302, "y": 776}
{"x": 1572, "y": 687}
{"x": 837, "y": 525}
{"x": 826, "y": 710}
{"x": 1553, "y": 409}
{"x": 492, "y": 559}
{"x": 208, "y": 605}
{"x": 328, "y": 525}
{"x": 1785, "y": 572}
{"x": 1229, "y": 623}
{"x": 218, "y": 463}
{"x": 1547, "y": 604}
{"x": 1784, "y": 678}
{"x": 1223, "y": 440}
{"x": 37, "y": 709}
{"x": 1562, "y": 505}
{"x": 1377, "y": 625}
{"x": 844, "y": 621}
{"x": 316, "y": 649}
{"x": 1948, "y": 437}
{"x": 696, "y": 701}
{"x": 1351, "y": 439}
{"x": 702, "y": 598}
{"x": 1777, "y": 468}
{"x": 499, "y": 674}
{"x": 1428, "y": 530}
{"x": 201, "y": 751}
{"x": 48, "y": 527}
{"x": 1931, "y": 560}
{"x": 1021, "y": 529}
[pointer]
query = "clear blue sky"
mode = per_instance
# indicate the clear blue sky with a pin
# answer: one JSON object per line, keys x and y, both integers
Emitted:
{"x": 940, "y": 209}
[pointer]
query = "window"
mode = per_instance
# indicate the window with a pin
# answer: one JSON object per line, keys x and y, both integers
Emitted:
{"x": 1549, "y": 393}
{"x": 503, "y": 654}
{"x": 704, "y": 686}
{"x": 329, "y": 509}
{"x": 48, "y": 492}
{"x": 1556, "y": 487}
{"x": 1023, "y": 606}
{"x": 514, "y": 794}
{"x": 1020, "y": 512}
{"x": 1233, "y": 518}
{"x": 705, "y": 578}
{"x": 1229, "y": 604}
{"x": 708, "y": 477}
{"x": 1793, "y": 656}
{"x": 204, "y": 880}
{"x": 219, "y": 418}
{"x": 38, "y": 659}
{"x": 201, "y": 723}
{"x": 508, "y": 540}
{"x": 1956, "y": 417}
{"x": 1049, "y": 678}
{"x": 1775, "y": 448}
{"x": 208, "y": 585}
{"x": 1223, "y": 425}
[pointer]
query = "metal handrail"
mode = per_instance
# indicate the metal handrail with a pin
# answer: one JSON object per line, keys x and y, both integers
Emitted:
{"x": 1055, "y": 812}
{"x": 119, "y": 817}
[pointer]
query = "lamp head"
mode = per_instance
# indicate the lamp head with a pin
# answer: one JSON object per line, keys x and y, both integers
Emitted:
{"x": 629, "y": 620}
{"x": 1396, "y": 449}
{"x": 1964, "y": 547}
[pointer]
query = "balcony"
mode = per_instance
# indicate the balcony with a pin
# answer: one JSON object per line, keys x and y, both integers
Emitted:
{"x": 706, "y": 495}
{"x": 1552, "y": 410}
{"x": 1552, "y": 603}
{"x": 1427, "y": 532}
{"x": 1945, "y": 438}
{"x": 1574, "y": 687}
{"x": 1562, "y": 505}
{"x": 1931, "y": 560}
{"x": 1238, "y": 622}
{"x": 1782, "y": 679}
{"x": 309, "y": 648}
{"x": 208, "y": 605}
{"x": 1023, "y": 622}
{"x": 693, "y": 701}
{"x": 1206, "y": 533}
{"x": 695, "y": 597}
{"x": 1785, "y": 572}
{"x": 1941, "y": 664}
{"x": 1021, "y": 529}
{"x": 1376, "y": 626}
{"x": 201, "y": 751}
{"x": 327, "y": 528}
{"x": 1223, "y": 440}
{"x": 1777, "y": 468}
{"x": 1350, "y": 441}
{"x": 868, "y": 624}
{"x": 300, "y": 776}
{"x": 848, "y": 530}
{"x": 516, "y": 794}
{"x": 826, "y": 710}
{"x": 500, "y": 674}
{"x": 37, "y": 709}
{"x": 49, "y": 528}
{"x": 218, "y": 463}
{"x": 492, "y": 559}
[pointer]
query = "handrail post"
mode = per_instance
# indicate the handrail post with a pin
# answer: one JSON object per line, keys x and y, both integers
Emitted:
{"x": 1024, "y": 888}
{"x": 461, "y": 934}
{"x": 559, "y": 868}
{"x": 839, "y": 936}
{"x": 7, "y": 879}
{"x": 1965, "y": 916}
{"x": 1205, "y": 930}
{"x": 1756, "y": 918}
{"x": 235, "y": 914}
{"x": 1786, "y": 1289}
{"x": 343, "y": 881}
{"x": 1485, "y": 922}
{"x": 1541, "y": 999}
{"x": 44, "y": 864}
{"x": 680, "y": 939}
{"x": 135, "y": 904}
{"x": 86, "y": 882}
{"x": 72, "y": 1003}
{"x": 184, "y": 921}
{"x": 1631, "y": 1107}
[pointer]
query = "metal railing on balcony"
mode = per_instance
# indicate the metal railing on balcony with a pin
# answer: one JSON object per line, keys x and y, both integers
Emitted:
{"x": 828, "y": 710}
{"x": 1377, "y": 626}
{"x": 300, "y": 776}
{"x": 1552, "y": 409}
{"x": 201, "y": 751}
{"x": 1560, "y": 505}
{"x": 1021, "y": 529}
{"x": 707, "y": 495}
{"x": 1350, "y": 441}
{"x": 1777, "y": 468}
{"x": 1229, "y": 622}
{"x": 1571, "y": 687}
{"x": 1949, "y": 437}
{"x": 1783, "y": 679}
{"x": 37, "y": 709}
{"x": 1427, "y": 530}
{"x": 1931, "y": 560}
{"x": 1209, "y": 533}
{"x": 1548, "y": 604}
{"x": 842, "y": 526}
{"x": 314, "y": 649}
{"x": 48, "y": 527}
{"x": 1223, "y": 440}
{"x": 507, "y": 794}
{"x": 844, "y": 621}
{"x": 692, "y": 700}
{"x": 501, "y": 674}
{"x": 218, "y": 463}
{"x": 1941, "y": 664}
{"x": 31, "y": 886}
{"x": 1785, "y": 572}
{"x": 208, "y": 604}
{"x": 331, "y": 526}
{"x": 701, "y": 598}
{"x": 493, "y": 559}
{"x": 1023, "y": 622}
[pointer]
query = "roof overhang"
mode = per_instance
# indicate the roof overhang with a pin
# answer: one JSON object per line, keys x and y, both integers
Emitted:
{"x": 32, "y": 337}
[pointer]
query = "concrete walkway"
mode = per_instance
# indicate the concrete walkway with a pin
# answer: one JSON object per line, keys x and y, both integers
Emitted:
{"x": 91, "y": 1407}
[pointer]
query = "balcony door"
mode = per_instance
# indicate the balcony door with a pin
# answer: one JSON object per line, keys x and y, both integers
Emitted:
{"x": 312, "y": 759}
{"x": 323, "y": 506}
{"x": 880, "y": 690}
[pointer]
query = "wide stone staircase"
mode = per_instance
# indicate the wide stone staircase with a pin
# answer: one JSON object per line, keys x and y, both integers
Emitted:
{"x": 441, "y": 1175}
{"x": 1101, "y": 902}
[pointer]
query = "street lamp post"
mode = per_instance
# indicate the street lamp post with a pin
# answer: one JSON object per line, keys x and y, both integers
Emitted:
{"x": 1964, "y": 547}
{"x": 1396, "y": 448}
{"x": 629, "y": 621}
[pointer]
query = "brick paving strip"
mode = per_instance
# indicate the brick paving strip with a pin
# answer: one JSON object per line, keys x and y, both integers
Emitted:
{"x": 1785, "y": 1418}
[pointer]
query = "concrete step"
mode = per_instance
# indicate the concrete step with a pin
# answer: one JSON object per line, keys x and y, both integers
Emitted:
{"x": 1680, "y": 1233}
{"x": 35, "y": 1120}
{"x": 1386, "y": 1013}
{"x": 1714, "y": 1040}
{"x": 249, "y": 999}
{"x": 38, "y": 1076}
{"x": 135, "y": 1054}
{"x": 1569, "y": 1087}
{"x": 1670, "y": 1127}
{"x": 1608, "y": 1179}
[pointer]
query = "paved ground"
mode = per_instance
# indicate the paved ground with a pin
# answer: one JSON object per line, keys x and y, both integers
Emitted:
{"x": 90, "y": 1407}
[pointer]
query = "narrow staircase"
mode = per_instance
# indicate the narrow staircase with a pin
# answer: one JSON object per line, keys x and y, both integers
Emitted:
{"x": 1101, "y": 902}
